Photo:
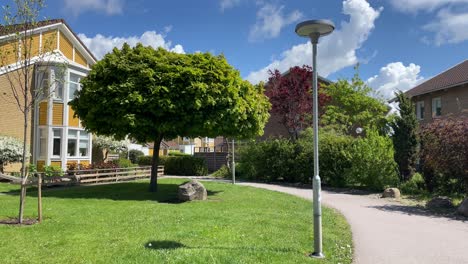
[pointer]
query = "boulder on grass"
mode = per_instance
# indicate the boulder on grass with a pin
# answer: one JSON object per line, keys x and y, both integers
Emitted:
{"x": 192, "y": 190}
{"x": 463, "y": 208}
{"x": 391, "y": 193}
{"x": 440, "y": 202}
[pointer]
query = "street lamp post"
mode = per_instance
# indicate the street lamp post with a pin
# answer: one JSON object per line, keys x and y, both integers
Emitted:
{"x": 314, "y": 29}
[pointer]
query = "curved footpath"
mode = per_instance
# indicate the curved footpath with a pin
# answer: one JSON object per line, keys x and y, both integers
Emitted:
{"x": 386, "y": 231}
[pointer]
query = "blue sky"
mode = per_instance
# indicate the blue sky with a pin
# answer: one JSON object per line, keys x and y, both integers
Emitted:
{"x": 398, "y": 43}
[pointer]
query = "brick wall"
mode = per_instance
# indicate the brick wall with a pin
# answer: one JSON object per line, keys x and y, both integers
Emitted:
{"x": 454, "y": 103}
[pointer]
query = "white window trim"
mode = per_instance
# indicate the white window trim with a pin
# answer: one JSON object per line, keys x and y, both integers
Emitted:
{"x": 77, "y": 139}
{"x": 61, "y": 142}
{"x": 79, "y": 73}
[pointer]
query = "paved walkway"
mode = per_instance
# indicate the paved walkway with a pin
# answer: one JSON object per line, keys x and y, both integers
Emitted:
{"x": 388, "y": 232}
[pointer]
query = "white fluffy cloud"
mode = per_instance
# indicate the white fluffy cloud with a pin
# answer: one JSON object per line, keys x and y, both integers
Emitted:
{"x": 110, "y": 7}
{"x": 449, "y": 27}
{"x": 423, "y": 5}
{"x": 270, "y": 22}
{"x": 100, "y": 45}
{"x": 395, "y": 76}
{"x": 336, "y": 51}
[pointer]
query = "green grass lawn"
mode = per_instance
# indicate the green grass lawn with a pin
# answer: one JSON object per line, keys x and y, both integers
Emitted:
{"x": 123, "y": 223}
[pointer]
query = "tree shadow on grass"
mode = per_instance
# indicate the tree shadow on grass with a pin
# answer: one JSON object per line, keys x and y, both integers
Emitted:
{"x": 170, "y": 245}
{"x": 128, "y": 191}
{"x": 421, "y": 211}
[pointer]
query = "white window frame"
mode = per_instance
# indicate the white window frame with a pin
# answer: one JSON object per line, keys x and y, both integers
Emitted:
{"x": 78, "y": 140}
{"x": 420, "y": 110}
{"x": 60, "y": 136}
{"x": 80, "y": 76}
{"x": 436, "y": 103}
{"x": 42, "y": 135}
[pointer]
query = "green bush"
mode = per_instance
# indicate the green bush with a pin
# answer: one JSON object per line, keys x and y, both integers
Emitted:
{"x": 372, "y": 162}
{"x": 177, "y": 153}
{"x": 145, "y": 160}
{"x": 134, "y": 154}
{"x": 223, "y": 172}
{"x": 53, "y": 171}
{"x": 184, "y": 166}
{"x": 123, "y": 163}
{"x": 271, "y": 160}
{"x": 333, "y": 154}
{"x": 415, "y": 185}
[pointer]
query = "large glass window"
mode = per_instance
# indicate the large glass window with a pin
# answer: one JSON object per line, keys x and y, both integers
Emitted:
{"x": 78, "y": 143}
{"x": 73, "y": 85}
{"x": 42, "y": 142}
{"x": 84, "y": 144}
{"x": 42, "y": 79}
{"x": 72, "y": 143}
{"x": 436, "y": 106}
{"x": 58, "y": 92}
{"x": 57, "y": 143}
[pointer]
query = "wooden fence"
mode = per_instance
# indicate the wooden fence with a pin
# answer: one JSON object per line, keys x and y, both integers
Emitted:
{"x": 92, "y": 176}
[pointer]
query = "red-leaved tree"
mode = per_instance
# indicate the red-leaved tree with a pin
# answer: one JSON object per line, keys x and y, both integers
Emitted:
{"x": 290, "y": 96}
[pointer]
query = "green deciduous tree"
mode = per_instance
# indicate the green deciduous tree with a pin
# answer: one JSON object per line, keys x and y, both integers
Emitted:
{"x": 351, "y": 107}
{"x": 405, "y": 137}
{"x": 150, "y": 94}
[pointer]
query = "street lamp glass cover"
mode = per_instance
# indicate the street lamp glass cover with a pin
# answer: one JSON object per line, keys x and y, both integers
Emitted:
{"x": 309, "y": 27}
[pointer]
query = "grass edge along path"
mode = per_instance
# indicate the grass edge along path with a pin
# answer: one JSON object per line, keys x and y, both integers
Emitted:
{"x": 123, "y": 223}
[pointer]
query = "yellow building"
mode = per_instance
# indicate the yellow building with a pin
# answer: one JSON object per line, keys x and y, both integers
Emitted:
{"x": 56, "y": 137}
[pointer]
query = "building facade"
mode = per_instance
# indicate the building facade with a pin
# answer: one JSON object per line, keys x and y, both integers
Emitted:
{"x": 443, "y": 96}
{"x": 56, "y": 137}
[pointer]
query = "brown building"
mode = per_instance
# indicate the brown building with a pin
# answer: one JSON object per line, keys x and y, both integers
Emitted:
{"x": 445, "y": 95}
{"x": 59, "y": 60}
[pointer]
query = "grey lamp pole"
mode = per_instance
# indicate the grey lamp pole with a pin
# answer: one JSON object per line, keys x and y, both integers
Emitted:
{"x": 314, "y": 29}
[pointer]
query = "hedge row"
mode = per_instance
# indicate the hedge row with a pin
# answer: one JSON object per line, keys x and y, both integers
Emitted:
{"x": 344, "y": 160}
{"x": 178, "y": 165}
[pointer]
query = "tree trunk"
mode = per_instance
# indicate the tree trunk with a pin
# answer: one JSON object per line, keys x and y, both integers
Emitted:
{"x": 155, "y": 163}
{"x": 24, "y": 175}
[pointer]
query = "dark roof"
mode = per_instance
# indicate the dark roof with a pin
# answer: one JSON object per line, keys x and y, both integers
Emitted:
{"x": 320, "y": 79}
{"x": 6, "y": 30}
{"x": 455, "y": 76}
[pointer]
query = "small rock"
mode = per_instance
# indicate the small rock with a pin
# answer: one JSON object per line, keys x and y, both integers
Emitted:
{"x": 64, "y": 179}
{"x": 463, "y": 208}
{"x": 192, "y": 190}
{"x": 440, "y": 202}
{"x": 391, "y": 193}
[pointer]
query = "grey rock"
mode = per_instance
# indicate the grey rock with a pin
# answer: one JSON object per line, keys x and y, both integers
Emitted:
{"x": 440, "y": 202}
{"x": 391, "y": 193}
{"x": 192, "y": 190}
{"x": 463, "y": 208}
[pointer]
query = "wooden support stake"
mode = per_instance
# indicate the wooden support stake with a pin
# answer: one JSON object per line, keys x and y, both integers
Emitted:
{"x": 39, "y": 197}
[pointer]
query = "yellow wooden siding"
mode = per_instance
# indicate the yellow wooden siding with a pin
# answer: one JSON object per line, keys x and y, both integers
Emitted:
{"x": 49, "y": 41}
{"x": 43, "y": 113}
{"x": 66, "y": 47}
{"x": 72, "y": 121}
{"x": 57, "y": 114}
{"x": 80, "y": 59}
{"x": 8, "y": 53}
{"x": 151, "y": 151}
{"x": 32, "y": 43}
{"x": 84, "y": 162}
{"x": 40, "y": 165}
{"x": 56, "y": 163}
